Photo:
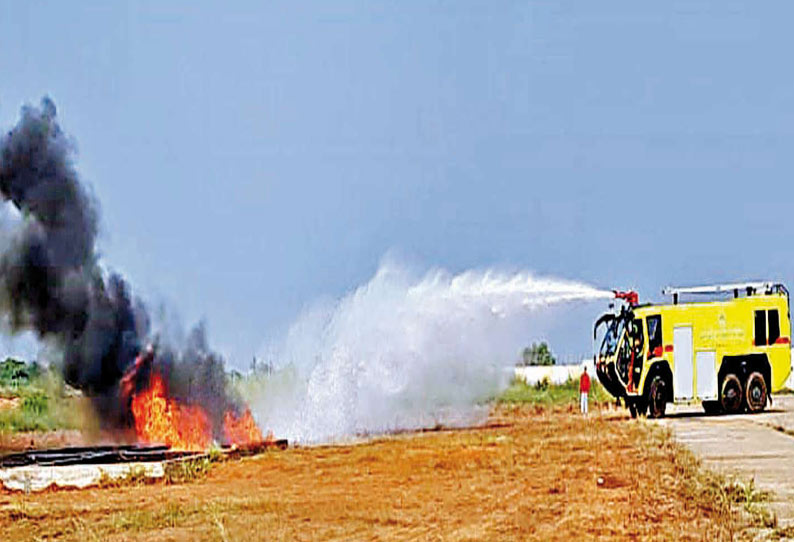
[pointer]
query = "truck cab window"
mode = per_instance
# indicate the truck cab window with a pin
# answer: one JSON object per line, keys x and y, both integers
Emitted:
{"x": 637, "y": 337}
{"x": 760, "y": 328}
{"x": 612, "y": 337}
{"x": 774, "y": 326}
{"x": 655, "y": 335}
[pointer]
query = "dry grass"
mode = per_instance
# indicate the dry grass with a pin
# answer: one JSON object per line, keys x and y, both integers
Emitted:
{"x": 536, "y": 473}
{"x": 739, "y": 504}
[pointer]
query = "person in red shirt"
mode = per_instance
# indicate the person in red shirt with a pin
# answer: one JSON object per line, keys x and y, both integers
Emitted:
{"x": 584, "y": 389}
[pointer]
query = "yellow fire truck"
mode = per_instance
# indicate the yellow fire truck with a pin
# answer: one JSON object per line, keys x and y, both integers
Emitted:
{"x": 729, "y": 352}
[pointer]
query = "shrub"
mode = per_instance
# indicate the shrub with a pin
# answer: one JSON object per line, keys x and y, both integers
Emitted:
{"x": 187, "y": 470}
{"x": 543, "y": 384}
{"x": 35, "y": 403}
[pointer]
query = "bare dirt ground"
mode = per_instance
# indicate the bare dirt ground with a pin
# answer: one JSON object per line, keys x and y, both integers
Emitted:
{"x": 8, "y": 403}
{"x": 532, "y": 474}
{"x": 760, "y": 447}
{"x": 11, "y": 442}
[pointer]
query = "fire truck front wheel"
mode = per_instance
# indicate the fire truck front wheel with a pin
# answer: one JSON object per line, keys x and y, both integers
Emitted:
{"x": 731, "y": 396}
{"x": 657, "y": 397}
{"x": 755, "y": 392}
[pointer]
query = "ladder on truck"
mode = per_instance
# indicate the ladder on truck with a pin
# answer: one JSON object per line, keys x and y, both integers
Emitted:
{"x": 748, "y": 288}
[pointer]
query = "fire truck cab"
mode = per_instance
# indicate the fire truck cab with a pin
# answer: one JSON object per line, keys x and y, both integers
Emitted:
{"x": 729, "y": 352}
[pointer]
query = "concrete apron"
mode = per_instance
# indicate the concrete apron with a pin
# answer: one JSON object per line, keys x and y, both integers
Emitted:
{"x": 748, "y": 446}
{"x": 37, "y": 478}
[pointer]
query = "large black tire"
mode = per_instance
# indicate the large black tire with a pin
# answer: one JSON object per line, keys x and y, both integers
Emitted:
{"x": 632, "y": 409}
{"x": 657, "y": 397}
{"x": 712, "y": 407}
{"x": 755, "y": 392}
{"x": 731, "y": 395}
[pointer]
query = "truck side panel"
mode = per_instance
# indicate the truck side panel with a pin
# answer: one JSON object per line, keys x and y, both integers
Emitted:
{"x": 683, "y": 373}
{"x": 706, "y": 371}
{"x": 721, "y": 329}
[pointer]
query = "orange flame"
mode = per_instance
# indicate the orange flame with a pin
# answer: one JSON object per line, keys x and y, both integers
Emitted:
{"x": 241, "y": 430}
{"x": 159, "y": 419}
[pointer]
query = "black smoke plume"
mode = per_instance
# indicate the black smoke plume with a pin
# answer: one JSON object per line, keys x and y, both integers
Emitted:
{"x": 51, "y": 281}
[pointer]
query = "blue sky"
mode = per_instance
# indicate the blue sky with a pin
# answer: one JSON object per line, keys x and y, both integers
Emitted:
{"x": 251, "y": 157}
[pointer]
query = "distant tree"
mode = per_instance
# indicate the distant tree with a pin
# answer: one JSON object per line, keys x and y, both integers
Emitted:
{"x": 537, "y": 354}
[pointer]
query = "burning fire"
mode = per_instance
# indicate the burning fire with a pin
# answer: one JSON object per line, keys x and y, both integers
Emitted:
{"x": 241, "y": 430}
{"x": 161, "y": 419}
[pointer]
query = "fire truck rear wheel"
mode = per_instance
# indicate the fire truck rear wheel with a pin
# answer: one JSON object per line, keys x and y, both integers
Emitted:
{"x": 632, "y": 409}
{"x": 755, "y": 392}
{"x": 731, "y": 395}
{"x": 657, "y": 397}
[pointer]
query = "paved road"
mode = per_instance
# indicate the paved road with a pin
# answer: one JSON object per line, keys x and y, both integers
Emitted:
{"x": 754, "y": 446}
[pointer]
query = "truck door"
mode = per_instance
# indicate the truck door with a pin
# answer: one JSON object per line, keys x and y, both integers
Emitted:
{"x": 631, "y": 354}
{"x": 638, "y": 344}
{"x": 706, "y": 365}
{"x": 682, "y": 362}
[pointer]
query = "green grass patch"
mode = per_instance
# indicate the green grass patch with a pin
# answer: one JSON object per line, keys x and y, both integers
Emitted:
{"x": 187, "y": 470}
{"x": 44, "y": 404}
{"x": 545, "y": 393}
{"x": 171, "y": 516}
{"x": 23, "y": 419}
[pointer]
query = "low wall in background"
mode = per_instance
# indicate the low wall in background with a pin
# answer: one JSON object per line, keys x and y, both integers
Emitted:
{"x": 558, "y": 374}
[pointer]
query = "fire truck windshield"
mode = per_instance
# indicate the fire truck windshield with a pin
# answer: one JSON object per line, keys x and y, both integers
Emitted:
{"x": 610, "y": 343}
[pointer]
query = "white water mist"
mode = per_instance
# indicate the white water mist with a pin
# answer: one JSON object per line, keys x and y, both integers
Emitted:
{"x": 402, "y": 352}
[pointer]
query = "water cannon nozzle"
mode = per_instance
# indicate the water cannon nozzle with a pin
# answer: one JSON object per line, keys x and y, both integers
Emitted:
{"x": 630, "y": 296}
